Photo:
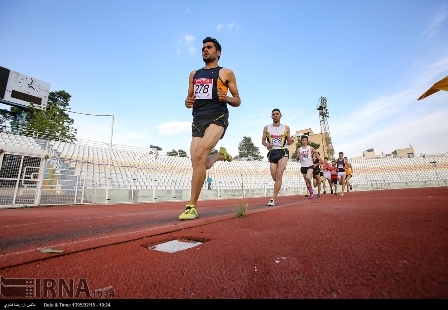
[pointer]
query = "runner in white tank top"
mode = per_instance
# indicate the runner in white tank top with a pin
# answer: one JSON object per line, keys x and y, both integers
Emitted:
{"x": 305, "y": 156}
{"x": 275, "y": 139}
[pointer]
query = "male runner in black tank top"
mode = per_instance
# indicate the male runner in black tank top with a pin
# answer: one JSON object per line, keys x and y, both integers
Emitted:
{"x": 207, "y": 95}
{"x": 341, "y": 171}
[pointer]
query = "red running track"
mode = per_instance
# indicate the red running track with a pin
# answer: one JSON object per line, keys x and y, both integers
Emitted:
{"x": 385, "y": 244}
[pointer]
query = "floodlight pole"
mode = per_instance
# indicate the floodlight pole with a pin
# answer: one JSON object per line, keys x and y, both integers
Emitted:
{"x": 320, "y": 108}
{"x": 324, "y": 128}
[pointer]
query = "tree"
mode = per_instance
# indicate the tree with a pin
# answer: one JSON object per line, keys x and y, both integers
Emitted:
{"x": 299, "y": 144}
{"x": 61, "y": 98}
{"x": 294, "y": 155}
{"x": 315, "y": 145}
{"x": 247, "y": 150}
{"x": 51, "y": 122}
{"x": 5, "y": 120}
{"x": 182, "y": 153}
{"x": 213, "y": 151}
{"x": 330, "y": 148}
{"x": 172, "y": 153}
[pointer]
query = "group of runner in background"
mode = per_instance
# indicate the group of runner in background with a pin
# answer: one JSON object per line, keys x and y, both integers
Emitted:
{"x": 337, "y": 172}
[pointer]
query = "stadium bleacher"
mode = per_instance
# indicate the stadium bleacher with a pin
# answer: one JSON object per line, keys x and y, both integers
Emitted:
{"x": 96, "y": 165}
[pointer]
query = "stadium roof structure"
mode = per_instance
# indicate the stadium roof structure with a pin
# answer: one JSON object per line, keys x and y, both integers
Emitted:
{"x": 440, "y": 85}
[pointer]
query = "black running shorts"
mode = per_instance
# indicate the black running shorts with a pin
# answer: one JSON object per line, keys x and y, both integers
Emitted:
{"x": 304, "y": 170}
{"x": 200, "y": 124}
{"x": 276, "y": 154}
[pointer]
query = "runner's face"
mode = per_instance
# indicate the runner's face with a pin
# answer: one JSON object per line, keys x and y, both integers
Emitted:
{"x": 276, "y": 116}
{"x": 209, "y": 52}
{"x": 304, "y": 141}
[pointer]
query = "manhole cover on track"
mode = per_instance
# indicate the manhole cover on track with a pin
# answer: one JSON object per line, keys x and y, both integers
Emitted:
{"x": 176, "y": 245}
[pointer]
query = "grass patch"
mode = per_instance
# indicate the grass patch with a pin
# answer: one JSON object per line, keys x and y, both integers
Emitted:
{"x": 240, "y": 210}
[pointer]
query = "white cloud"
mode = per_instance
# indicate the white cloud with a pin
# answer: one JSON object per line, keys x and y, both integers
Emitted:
{"x": 391, "y": 122}
{"x": 231, "y": 26}
{"x": 186, "y": 43}
{"x": 420, "y": 133}
{"x": 174, "y": 127}
{"x": 188, "y": 39}
{"x": 188, "y": 11}
{"x": 436, "y": 21}
{"x": 371, "y": 113}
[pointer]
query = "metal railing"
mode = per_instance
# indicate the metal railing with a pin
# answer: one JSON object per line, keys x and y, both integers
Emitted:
{"x": 144, "y": 175}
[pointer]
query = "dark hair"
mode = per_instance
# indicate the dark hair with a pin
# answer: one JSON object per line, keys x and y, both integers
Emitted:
{"x": 304, "y": 136}
{"x": 341, "y": 153}
{"x": 276, "y": 110}
{"x": 215, "y": 43}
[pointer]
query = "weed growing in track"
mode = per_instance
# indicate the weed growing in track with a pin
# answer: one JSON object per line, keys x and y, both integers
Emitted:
{"x": 240, "y": 211}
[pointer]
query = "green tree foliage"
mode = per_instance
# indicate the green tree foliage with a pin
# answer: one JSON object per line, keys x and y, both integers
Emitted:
{"x": 60, "y": 98}
{"x": 51, "y": 122}
{"x": 330, "y": 148}
{"x": 172, "y": 153}
{"x": 180, "y": 153}
{"x": 294, "y": 155}
{"x": 299, "y": 144}
{"x": 5, "y": 119}
{"x": 214, "y": 151}
{"x": 247, "y": 150}
{"x": 316, "y": 146}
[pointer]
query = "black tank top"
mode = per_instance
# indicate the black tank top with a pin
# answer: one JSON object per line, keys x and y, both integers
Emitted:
{"x": 341, "y": 165}
{"x": 206, "y": 83}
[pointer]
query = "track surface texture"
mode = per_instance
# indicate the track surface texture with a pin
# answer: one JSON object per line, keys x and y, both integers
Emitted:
{"x": 383, "y": 244}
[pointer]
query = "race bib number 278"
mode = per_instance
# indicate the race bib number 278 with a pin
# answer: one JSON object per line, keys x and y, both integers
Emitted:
{"x": 203, "y": 88}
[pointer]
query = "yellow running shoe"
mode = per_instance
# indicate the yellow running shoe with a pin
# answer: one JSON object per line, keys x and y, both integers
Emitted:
{"x": 227, "y": 156}
{"x": 342, "y": 194}
{"x": 190, "y": 213}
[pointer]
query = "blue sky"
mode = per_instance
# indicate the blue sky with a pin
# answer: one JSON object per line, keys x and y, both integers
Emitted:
{"x": 132, "y": 59}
